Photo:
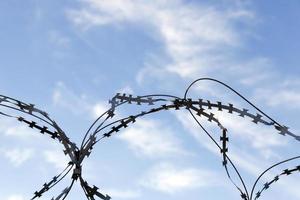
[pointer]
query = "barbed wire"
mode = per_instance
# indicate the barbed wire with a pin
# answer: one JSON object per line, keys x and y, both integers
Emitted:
{"x": 106, "y": 126}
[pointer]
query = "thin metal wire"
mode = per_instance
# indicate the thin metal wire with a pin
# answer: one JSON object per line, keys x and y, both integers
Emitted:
{"x": 158, "y": 103}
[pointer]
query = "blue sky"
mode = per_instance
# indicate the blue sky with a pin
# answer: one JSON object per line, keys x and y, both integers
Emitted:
{"x": 70, "y": 57}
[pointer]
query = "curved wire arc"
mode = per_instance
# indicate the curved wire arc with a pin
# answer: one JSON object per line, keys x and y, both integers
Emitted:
{"x": 77, "y": 155}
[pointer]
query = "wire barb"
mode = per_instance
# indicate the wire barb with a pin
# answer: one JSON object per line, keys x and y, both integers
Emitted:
{"x": 198, "y": 108}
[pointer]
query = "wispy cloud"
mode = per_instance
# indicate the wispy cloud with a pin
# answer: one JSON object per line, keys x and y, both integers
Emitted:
{"x": 63, "y": 97}
{"x": 15, "y": 197}
{"x": 126, "y": 89}
{"x": 56, "y": 38}
{"x": 12, "y": 128}
{"x": 262, "y": 140}
{"x": 286, "y": 95}
{"x": 197, "y": 37}
{"x": 17, "y": 156}
{"x": 169, "y": 179}
{"x": 123, "y": 194}
{"x": 78, "y": 104}
{"x": 199, "y": 40}
{"x": 254, "y": 134}
{"x": 241, "y": 130}
{"x": 152, "y": 139}
{"x": 56, "y": 157}
{"x": 98, "y": 109}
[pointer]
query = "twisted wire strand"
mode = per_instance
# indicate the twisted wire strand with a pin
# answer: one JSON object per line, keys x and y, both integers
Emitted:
{"x": 158, "y": 102}
{"x": 63, "y": 195}
{"x": 31, "y": 110}
{"x": 55, "y": 180}
{"x": 283, "y": 131}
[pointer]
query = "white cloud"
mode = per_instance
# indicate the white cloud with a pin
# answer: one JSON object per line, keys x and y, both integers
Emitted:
{"x": 127, "y": 89}
{"x": 240, "y": 128}
{"x": 252, "y": 163}
{"x": 254, "y": 72}
{"x": 199, "y": 40}
{"x": 239, "y": 154}
{"x": 255, "y": 134}
{"x": 17, "y": 156}
{"x": 57, "y": 158}
{"x": 19, "y": 131}
{"x": 150, "y": 138}
{"x": 99, "y": 109}
{"x": 58, "y": 39}
{"x": 291, "y": 185}
{"x": 13, "y": 128}
{"x": 123, "y": 194}
{"x": 287, "y": 97}
{"x": 170, "y": 179}
{"x": 78, "y": 104}
{"x": 60, "y": 44}
{"x": 15, "y": 197}
{"x": 64, "y": 97}
{"x": 196, "y": 37}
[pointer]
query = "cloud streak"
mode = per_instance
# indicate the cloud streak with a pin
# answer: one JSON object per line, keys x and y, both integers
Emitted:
{"x": 152, "y": 139}
{"x": 169, "y": 179}
{"x": 17, "y": 156}
{"x": 196, "y": 37}
{"x": 65, "y": 98}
